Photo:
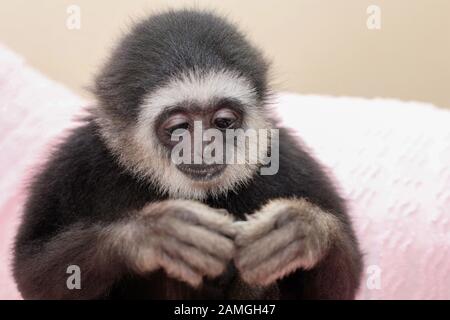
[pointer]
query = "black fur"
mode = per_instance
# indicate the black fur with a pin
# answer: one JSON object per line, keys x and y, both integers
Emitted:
{"x": 170, "y": 43}
{"x": 83, "y": 188}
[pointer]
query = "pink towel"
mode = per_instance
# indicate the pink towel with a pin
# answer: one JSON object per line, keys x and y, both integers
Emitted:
{"x": 33, "y": 112}
{"x": 391, "y": 160}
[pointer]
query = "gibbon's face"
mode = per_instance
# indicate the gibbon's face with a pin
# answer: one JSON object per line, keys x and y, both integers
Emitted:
{"x": 182, "y": 119}
{"x": 221, "y": 115}
{"x": 194, "y": 129}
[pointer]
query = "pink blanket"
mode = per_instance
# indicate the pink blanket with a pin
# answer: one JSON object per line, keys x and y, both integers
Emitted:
{"x": 391, "y": 159}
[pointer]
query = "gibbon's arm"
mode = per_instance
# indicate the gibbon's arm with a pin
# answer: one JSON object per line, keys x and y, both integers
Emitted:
{"x": 309, "y": 251}
{"x": 187, "y": 239}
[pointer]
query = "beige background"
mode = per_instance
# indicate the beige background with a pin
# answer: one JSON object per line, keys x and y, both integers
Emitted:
{"x": 317, "y": 46}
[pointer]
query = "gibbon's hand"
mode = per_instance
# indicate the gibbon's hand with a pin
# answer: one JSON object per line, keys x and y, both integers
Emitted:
{"x": 285, "y": 235}
{"x": 187, "y": 239}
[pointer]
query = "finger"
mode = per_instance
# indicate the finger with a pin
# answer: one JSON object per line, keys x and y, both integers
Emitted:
{"x": 250, "y": 231}
{"x": 144, "y": 260}
{"x": 258, "y": 225}
{"x": 193, "y": 257}
{"x": 255, "y": 229}
{"x": 210, "y": 218}
{"x": 197, "y": 236}
{"x": 178, "y": 269}
{"x": 277, "y": 266}
{"x": 261, "y": 250}
{"x": 198, "y": 260}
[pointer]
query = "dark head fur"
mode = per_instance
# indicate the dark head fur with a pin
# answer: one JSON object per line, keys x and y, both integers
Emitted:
{"x": 174, "y": 58}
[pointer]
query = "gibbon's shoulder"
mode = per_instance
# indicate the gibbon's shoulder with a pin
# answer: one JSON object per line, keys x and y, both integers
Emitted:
{"x": 82, "y": 178}
{"x": 299, "y": 175}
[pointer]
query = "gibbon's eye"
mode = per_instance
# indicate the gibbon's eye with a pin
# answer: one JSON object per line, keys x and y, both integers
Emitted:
{"x": 175, "y": 122}
{"x": 224, "y": 119}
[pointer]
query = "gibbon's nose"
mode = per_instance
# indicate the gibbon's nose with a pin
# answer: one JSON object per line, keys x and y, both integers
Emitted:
{"x": 208, "y": 150}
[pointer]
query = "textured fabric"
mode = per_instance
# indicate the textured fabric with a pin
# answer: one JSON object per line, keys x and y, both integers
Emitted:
{"x": 33, "y": 112}
{"x": 390, "y": 159}
{"x": 392, "y": 162}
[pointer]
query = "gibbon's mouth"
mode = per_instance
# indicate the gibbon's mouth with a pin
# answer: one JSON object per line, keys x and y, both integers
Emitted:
{"x": 202, "y": 171}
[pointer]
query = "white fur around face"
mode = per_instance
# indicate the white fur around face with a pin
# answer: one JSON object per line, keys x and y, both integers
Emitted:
{"x": 139, "y": 149}
{"x": 201, "y": 87}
